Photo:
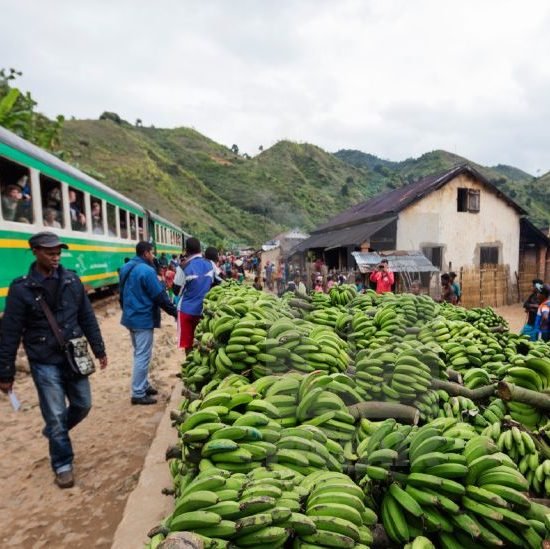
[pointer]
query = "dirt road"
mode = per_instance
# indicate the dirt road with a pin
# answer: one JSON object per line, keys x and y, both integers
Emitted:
{"x": 110, "y": 446}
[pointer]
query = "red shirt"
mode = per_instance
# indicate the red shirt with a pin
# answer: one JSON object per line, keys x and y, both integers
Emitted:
{"x": 169, "y": 278}
{"x": 384, "y": 281}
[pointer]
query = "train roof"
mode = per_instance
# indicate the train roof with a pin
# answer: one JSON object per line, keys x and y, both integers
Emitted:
{"x": 160, "y": 219}
{"x": 24, "y": 146}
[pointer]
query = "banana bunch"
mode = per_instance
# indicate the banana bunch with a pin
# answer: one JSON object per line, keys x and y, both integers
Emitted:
{"x": 477, "y": 377}
{"x": 383, "y": 447}
{"x": 459, "y": 488}
{"x": 495, "y": 411}
{"x": 389, "y": 320}
{"x": 321, "y": 405}
{"x": 327, "y": 316}
{"x": 462, "y": 409}
{"x": 320, "y": 300}
{"x": 540, "y": 480}
{"x": 361, "y": 330}
{"x": 428, "y": 405}
{"x": 335, "y": 506}
{"x": 342, "y": 294}
{"x": 533, "y": 374}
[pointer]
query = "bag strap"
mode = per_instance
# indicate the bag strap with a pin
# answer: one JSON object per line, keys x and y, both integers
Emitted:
{"x": 52, "y": 322}
{"x": 122, "y": 282}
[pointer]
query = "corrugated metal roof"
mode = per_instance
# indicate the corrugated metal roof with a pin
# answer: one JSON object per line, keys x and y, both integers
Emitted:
{"x": 348, "y": 236}
{"x": 399, "y": 261}
{"x": 394, "y": 201}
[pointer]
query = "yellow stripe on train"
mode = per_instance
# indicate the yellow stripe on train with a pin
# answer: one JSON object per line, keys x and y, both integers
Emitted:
{"x": 18, "y": 243}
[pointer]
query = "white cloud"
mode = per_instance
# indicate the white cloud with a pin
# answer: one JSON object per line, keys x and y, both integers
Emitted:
{"x": 393, "y": 78}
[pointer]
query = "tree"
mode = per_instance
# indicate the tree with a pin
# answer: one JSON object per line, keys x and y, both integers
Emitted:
{"x": 235, "y": 148}
{"x": 18, "y": 115}
{"x": 139, "y": 123}
{"x": 261, "y": 148}
{"x": 113, "y": 116}
{"x": 344, "y": 191}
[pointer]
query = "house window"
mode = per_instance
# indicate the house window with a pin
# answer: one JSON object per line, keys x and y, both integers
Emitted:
{"x": 488, "y": 255}
{"x": 435, "y": 255}
{"x": 467, "y": 200}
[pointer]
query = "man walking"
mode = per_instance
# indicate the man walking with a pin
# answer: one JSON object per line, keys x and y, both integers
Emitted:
{"x": 55, "y": 382}
{"x": 141, "y": 298}
{"x": 195, "y": 278}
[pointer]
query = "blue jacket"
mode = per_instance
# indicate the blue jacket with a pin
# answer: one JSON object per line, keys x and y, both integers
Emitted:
{"x": 142, "y": 296}
{"x": 199, "y": 275}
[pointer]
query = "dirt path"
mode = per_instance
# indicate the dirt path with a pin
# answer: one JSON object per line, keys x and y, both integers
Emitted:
{"x": 110, "y": 447}
{"x": 514, "y": 315}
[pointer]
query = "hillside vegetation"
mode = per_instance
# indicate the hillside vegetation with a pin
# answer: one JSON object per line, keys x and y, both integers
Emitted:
{"x": 227, "y": 199}
{"x": 211, "y": 191}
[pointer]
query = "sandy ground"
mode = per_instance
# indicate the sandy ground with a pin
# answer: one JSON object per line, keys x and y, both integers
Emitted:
{"x": 515, "y": 315}
{"x": 110, "y": 447}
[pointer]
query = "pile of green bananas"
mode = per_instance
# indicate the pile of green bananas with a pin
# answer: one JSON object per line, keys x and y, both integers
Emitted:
{"x": 457, "y": 489}
{"x": 463, "y": 409}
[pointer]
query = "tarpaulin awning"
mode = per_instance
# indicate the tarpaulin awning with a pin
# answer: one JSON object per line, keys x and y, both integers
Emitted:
{"x": 399, "y": 261}
{"x": 348, "y": 236}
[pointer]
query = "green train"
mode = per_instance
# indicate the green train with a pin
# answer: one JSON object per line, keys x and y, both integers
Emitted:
{"x": 101, "y": 226}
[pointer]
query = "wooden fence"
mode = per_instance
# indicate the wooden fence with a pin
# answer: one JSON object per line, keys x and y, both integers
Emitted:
{"x": 486, "y": 286}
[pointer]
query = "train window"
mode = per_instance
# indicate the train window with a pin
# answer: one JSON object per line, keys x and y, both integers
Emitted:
{"x": 122, "y": 214}
{"x": 97, "y": 215}
{"x": 140, "y": 228}
{"x": 16, "y": 193}
{"x": 52, "y": 202}
{"x": 76, "y": 210}
{"x": 111, "y": 219}
{"x": 132, "y": 227}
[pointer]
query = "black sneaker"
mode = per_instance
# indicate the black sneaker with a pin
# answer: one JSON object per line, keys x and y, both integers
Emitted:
{"x": 151, "y": 391}
{"x": 144, "y": 400}
{"x": 65, "y": 479}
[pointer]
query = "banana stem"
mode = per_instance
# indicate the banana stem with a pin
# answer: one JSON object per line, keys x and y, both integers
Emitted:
{"x": 385, "y": 410}
{"x": 187, "y": 393}
{"x": 454, "y": 389}
{"x": 454, "y": 376}
{"x": 379, "y": 537}
{"x": 509, "y": 391}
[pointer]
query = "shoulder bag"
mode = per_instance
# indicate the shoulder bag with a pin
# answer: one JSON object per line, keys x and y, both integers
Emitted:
{"x": 76, "y": 350}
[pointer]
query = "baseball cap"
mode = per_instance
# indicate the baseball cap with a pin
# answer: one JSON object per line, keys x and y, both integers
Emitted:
{"x": 46, "y": 239}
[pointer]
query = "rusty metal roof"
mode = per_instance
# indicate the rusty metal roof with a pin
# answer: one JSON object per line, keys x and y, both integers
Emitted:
{"x": 394, "y": 201}
{"x": 398, "y": 261}
{"x": 348, "y": 236}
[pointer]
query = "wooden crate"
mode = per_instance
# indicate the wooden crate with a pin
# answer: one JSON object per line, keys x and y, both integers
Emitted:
{"x": 485, "y": 286}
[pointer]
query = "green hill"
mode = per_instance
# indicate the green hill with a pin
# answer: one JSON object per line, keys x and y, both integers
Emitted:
{"x": 211, "y": 191}
{"x": 531, "y": 193}
{"x": 227, "y": 199}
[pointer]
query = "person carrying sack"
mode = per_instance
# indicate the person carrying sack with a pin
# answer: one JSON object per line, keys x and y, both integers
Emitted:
{"x": 55, "y": 380}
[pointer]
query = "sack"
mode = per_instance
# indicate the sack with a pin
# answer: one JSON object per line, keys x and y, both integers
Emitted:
{"x": 78, "y": 356}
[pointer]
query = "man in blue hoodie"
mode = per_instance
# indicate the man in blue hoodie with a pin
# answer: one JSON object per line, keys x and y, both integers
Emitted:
{"x": 141, "y": 298}
{"x": 195, "y": 278}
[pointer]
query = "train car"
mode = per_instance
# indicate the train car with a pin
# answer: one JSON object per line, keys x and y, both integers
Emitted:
{"x": 168, "y": 238}
{"x": 101, "y": 226}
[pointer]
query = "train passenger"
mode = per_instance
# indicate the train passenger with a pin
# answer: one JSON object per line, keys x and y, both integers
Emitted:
{"x": 97, "y": 221}
{"x": 50, "y": 218}
{"x": 11, "y": 198}
{"x": 62, "y": 294}
{"x": 78, "y": 219}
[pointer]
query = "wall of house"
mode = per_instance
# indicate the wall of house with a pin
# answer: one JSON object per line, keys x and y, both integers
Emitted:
{"x": 435, "y": 221}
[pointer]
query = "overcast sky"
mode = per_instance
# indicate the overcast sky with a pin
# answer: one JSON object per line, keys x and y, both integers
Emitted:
{"x": 395, "y": 78}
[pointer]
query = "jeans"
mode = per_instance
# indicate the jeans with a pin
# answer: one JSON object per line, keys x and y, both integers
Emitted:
{"x": 142, "y": 341}
{"x": 54, "y": 386}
